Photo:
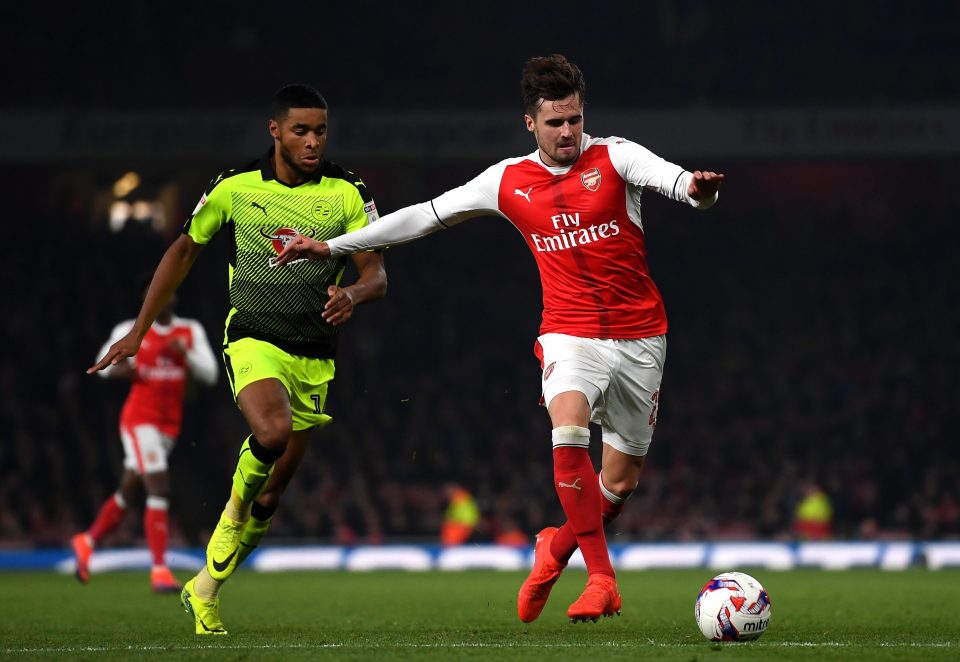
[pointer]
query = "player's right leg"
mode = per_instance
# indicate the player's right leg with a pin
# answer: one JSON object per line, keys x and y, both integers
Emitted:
{"x": 577, "y": 373}
{"x": 545, "y": 573}
{"x": 108, "y": 518}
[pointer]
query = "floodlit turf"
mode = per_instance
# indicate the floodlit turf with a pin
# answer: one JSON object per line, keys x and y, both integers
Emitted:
{"x": 857, "y": 615}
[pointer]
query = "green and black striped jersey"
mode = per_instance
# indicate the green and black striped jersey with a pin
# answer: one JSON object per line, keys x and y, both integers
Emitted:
{"x": 281, "y": 305}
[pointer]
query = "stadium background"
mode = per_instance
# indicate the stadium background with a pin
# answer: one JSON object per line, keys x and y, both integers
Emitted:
{"x": 814, "y": 325}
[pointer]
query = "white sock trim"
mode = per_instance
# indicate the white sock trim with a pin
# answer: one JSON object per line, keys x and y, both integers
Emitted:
{"x": 158, "y": 503}
{"x": 120, "y": 501}
{"x": 607, "y": 494}
{"x": 571, "y": 435}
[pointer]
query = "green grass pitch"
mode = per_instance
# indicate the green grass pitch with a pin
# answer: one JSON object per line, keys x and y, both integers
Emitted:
{"x": 855, "y": 615}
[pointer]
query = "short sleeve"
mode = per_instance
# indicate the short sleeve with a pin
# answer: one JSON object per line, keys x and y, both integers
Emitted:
{"x": 210, "y": 214}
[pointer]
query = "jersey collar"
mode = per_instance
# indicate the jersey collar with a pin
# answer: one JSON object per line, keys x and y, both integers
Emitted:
{"x": 267, "y": 172}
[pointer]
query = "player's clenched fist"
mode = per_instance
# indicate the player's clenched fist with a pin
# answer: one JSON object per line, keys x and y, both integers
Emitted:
{"x": 704, "y": 184}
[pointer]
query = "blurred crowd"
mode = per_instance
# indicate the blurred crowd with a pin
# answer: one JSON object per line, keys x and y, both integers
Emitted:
{"x": 812, "y": 368}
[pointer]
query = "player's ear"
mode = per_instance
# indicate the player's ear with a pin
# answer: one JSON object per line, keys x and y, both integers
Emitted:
{"x": 531, "y": 123}
{"x": 274, "y": 128}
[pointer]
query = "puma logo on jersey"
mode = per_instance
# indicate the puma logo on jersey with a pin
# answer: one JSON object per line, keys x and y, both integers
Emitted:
{"x": 260, "y": 207}
{"x": 575, "y": 484}
{"x": 523, "y": 194}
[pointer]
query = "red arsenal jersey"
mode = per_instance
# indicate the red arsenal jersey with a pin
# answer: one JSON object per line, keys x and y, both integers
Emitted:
{"x": 582, "y": 224}
{"x": 156, "y": 395}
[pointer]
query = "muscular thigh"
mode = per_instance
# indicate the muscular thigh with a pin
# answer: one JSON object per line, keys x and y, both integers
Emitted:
{"x": 304, "y": 382}
{"x": 573, "y": 364}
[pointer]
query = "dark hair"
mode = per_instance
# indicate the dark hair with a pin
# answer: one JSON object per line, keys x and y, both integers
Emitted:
{"x": 549, "y": 78}
{"x": 295, "y": 96}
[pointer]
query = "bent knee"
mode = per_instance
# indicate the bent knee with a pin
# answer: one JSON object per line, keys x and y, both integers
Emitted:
{"x": 273, "y": 434}
{"x": 623, "y": 487}
{"x": 269, "y": 499}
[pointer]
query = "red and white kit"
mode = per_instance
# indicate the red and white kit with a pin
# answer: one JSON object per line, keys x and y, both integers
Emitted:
{"x": 603, "y": 317}
{"x": 152, "y": 414}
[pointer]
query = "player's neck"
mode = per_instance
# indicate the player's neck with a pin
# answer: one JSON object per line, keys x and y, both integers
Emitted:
{"x": 286, "y": 174}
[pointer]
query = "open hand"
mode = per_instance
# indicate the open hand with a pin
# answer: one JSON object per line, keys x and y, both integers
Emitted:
{"x": 119, "y": 351}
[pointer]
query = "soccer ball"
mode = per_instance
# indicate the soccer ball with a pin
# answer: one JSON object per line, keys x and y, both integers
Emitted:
{"x": 733, "y": 607}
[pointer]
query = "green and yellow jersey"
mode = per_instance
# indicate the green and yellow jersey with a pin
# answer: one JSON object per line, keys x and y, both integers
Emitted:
{"x": 281, "y": 305}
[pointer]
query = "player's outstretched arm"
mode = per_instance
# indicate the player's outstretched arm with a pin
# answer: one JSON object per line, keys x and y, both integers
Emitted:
{"x": 371, "y": 285}
{"x": 395, "y": 228}
{"x": 301, "y": 247}
{"x": 173, "y": 268}
{"x": 704, "y": 184}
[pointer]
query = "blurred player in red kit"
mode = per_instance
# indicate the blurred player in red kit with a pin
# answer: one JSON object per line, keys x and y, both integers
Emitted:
{"x": 602, "y": 343}
{"x": 173, "y": 350}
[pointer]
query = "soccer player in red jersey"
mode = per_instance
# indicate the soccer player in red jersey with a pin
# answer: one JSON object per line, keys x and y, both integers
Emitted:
{"x": 576, "y": 201}
{"x": 173, "y": 349}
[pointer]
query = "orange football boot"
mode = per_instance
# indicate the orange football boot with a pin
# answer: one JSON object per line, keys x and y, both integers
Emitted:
{"x": 600, "y": 598}
{"x": 546, "y": 571}
{"x": 82, "y": 550}
{"x": 163, "y": 581}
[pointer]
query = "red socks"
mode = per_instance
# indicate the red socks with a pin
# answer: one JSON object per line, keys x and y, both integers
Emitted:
{"x": 114, "y": 510}
{"x": 111, "y": 514}
{"x": 579, "y": 493}
{"x": 155, "y": 528}
{"x": 564, "y": 543}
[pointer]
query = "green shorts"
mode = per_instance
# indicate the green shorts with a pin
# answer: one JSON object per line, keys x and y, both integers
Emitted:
{"x": 306, "y": 379}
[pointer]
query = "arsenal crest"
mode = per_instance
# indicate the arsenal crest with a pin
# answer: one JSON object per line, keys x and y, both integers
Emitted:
{"x": 591, "y": 179}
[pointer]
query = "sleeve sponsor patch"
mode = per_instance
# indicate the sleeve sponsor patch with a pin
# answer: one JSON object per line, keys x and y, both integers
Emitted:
{"x": 371, "y": 209}
{"x": 203, "y": 201}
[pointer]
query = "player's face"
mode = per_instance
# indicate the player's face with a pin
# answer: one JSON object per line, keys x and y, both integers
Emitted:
{"x": 558, "y": 128}
{"x": 300, "y": 138}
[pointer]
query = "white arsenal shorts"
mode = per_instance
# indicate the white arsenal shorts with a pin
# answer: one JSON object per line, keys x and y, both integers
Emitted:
{"x": 620, "y": 378}
{"x": 145, "y": 448}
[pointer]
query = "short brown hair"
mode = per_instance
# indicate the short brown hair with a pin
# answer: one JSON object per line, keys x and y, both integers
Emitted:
{"x": 549, "y": 78}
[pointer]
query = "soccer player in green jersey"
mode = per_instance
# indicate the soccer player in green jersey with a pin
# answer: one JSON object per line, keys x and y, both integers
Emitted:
{"x": 281, "y": 331}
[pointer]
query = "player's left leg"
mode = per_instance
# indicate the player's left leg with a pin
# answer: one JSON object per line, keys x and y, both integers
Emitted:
{"x": 156, "y": 529}
{"x": 201, "y": 595}
{"x": 153, "y": 448}
{"x": 617, "y": 480}
{"x": 264, "y": 506}
{"x": 309, "y": 381}
{"x": 287, "y": 395}
{"x": 628, "y": 420}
